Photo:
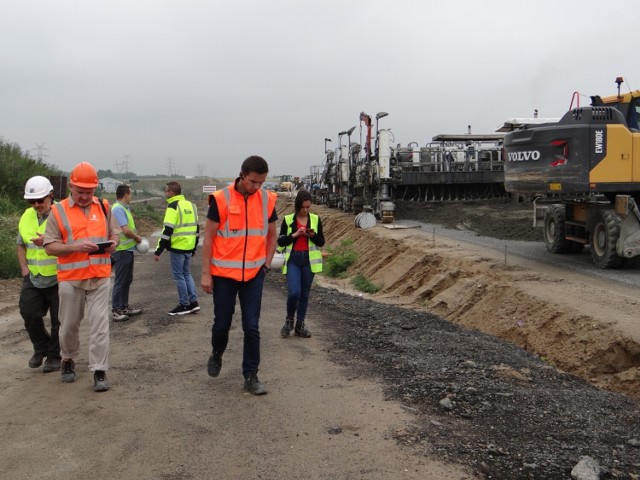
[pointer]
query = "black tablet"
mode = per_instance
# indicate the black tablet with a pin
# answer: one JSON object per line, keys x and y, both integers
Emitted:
{"x": 102, "y": 246}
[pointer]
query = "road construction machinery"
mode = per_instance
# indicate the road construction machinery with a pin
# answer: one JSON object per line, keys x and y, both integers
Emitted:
{"x": 452, "y": 167}
{"x": 336, "y": 182}
{"x": 373, "y": 174}
{"x": 376, "y": 173}
{"x": 583, "y": 174}
{"x": 359, "y": 176}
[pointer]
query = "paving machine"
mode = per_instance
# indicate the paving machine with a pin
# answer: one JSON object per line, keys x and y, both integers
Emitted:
{"x": 376, "y": 173}
{"x": 583, "y": 174}
{"x": 361, "y": 178}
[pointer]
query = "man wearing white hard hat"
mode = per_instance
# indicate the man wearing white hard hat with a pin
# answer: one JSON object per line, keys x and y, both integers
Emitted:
{"x": 39, "y": 292}
{"x": 122, "y": 258}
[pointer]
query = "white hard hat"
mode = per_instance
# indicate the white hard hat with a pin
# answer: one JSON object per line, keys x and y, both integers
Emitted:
{"x": 143, "y": 246}
{"x": 278, "y": 260}
{"x": 37, "y": 187}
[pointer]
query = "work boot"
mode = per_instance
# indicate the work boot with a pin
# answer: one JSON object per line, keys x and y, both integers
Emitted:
{"x": 215, "y": 364}
{"x": 288, "y": 326}
{"x": 130, "y": 311}
{"x": 100, "y": 383}
{"x": 36, "y": 360}
{"x": 253, "y": 385}
{"x": 68, "y": 371}
{"x": 301, "y": 331}
{"x": 51, "y": 364}
{"x": 119, "y": 316}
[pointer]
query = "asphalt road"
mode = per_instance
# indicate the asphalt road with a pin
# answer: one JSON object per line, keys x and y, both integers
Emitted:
{"x": 579, "y": 263}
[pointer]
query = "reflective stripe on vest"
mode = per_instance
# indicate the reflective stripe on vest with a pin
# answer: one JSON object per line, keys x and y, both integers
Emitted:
{"x": 38, "y": 262}
{"x": 75, "y": 226}
{"x": 239, "y": 246}
{"x": 125, "y": 242}
{"x": 315, "y": 254}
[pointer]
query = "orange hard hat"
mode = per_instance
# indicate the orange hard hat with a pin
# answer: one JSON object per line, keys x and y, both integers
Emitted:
{"x": 84, "y": 175}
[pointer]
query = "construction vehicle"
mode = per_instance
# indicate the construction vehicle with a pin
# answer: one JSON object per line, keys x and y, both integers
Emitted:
{"x": 359, "y": 178}
{"x": 452, "y": 167}
{"x": 286, "y": 183}
{"x": 375, "y": 173}
{"x": 371, "y": 175}
{"x": 583, "y": 173}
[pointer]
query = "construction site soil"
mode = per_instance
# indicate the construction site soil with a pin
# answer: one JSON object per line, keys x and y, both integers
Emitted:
{"x": 509, "y": 376}
{"x": 500, "y": 374}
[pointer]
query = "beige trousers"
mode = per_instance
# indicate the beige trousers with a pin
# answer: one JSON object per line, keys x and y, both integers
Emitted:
{"x": 71, "y": 313}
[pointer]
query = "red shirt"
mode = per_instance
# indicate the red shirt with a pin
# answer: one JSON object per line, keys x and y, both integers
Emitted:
{"x": 301, "y": 243}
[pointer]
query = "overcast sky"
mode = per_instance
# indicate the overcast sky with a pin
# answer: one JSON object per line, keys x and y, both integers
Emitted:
{"x": 196, "y": 86}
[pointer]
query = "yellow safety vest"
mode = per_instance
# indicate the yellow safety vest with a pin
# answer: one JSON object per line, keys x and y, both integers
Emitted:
{"x": 184, "y": 221}
{"x": 125, "y": 242}
{"x": 315, "y": 254}
{"x": 38, "y": 261}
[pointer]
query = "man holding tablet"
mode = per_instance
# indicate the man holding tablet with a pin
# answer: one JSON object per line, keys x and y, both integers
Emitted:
{"x": 82, "y": 233}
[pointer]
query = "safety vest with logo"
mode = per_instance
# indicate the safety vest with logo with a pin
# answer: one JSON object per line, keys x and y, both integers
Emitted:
{"x": 239, "y": 248}
{"x": 315, "y": 254}
{"x": 184, "y": 221}
{"x": 38, "y": 261}
{"x": 75, "y": 225}
{"x": 125, "y": 242}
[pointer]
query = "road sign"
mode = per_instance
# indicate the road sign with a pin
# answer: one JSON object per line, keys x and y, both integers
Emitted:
{"x": 208, "y": 188}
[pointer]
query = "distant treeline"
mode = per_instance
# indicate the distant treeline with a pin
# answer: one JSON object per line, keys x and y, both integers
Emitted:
{"x": 16, "y": 167}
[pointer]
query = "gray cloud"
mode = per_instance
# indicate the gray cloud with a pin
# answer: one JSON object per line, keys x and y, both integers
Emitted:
{"x": 210, "y": 82}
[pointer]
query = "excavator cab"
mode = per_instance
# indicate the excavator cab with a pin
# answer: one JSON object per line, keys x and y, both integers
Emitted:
{"x": 628, "y": 104}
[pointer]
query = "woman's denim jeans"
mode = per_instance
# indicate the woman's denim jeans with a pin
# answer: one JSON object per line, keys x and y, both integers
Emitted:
{"x": 299, "y": 280}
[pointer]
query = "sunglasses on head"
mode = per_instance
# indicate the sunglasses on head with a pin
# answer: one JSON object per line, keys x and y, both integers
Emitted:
{"x": 38, "y": 200}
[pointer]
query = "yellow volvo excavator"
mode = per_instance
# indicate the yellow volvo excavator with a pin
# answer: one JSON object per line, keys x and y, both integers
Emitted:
{"x": 584, "y": 173}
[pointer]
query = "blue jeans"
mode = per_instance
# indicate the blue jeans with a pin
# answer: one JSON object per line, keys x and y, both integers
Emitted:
{"x": 181, "y": 273}
{"x": 123, "y": 267}
{"x": 299, "y": 280}
{"x": 225, "y": 291}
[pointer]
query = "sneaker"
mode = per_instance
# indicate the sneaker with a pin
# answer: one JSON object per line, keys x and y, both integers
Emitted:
{"x": 194, "y": 307}
{"x": 253, "y": 385}
{"x": 288, "y": 326}
{"x": 68, "y": 371}
{"x": 214, "y": 364}
{"x": 180, "y": 310}
{"x": 301, "y": 331}
{"x": 100, "y": 383}
{"x": 119, "y": 316}
{"x": 130, "y": 311}
{"x": 52, "y": 364}
{"x": 36, "y": 360}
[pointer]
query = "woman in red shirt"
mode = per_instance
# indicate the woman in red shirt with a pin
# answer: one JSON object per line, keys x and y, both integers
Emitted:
{"x": 301, "y": 238}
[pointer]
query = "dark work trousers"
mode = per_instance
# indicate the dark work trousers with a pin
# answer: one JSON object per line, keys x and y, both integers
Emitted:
{"x": 225, "y": 292}
{"x": 34, "y": 303}
{"x": 123, "y": 266}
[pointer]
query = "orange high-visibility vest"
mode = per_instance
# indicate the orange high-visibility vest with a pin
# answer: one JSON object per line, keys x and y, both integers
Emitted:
{"x": 239, "y": 247}
{"x": 74, "y": 226}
